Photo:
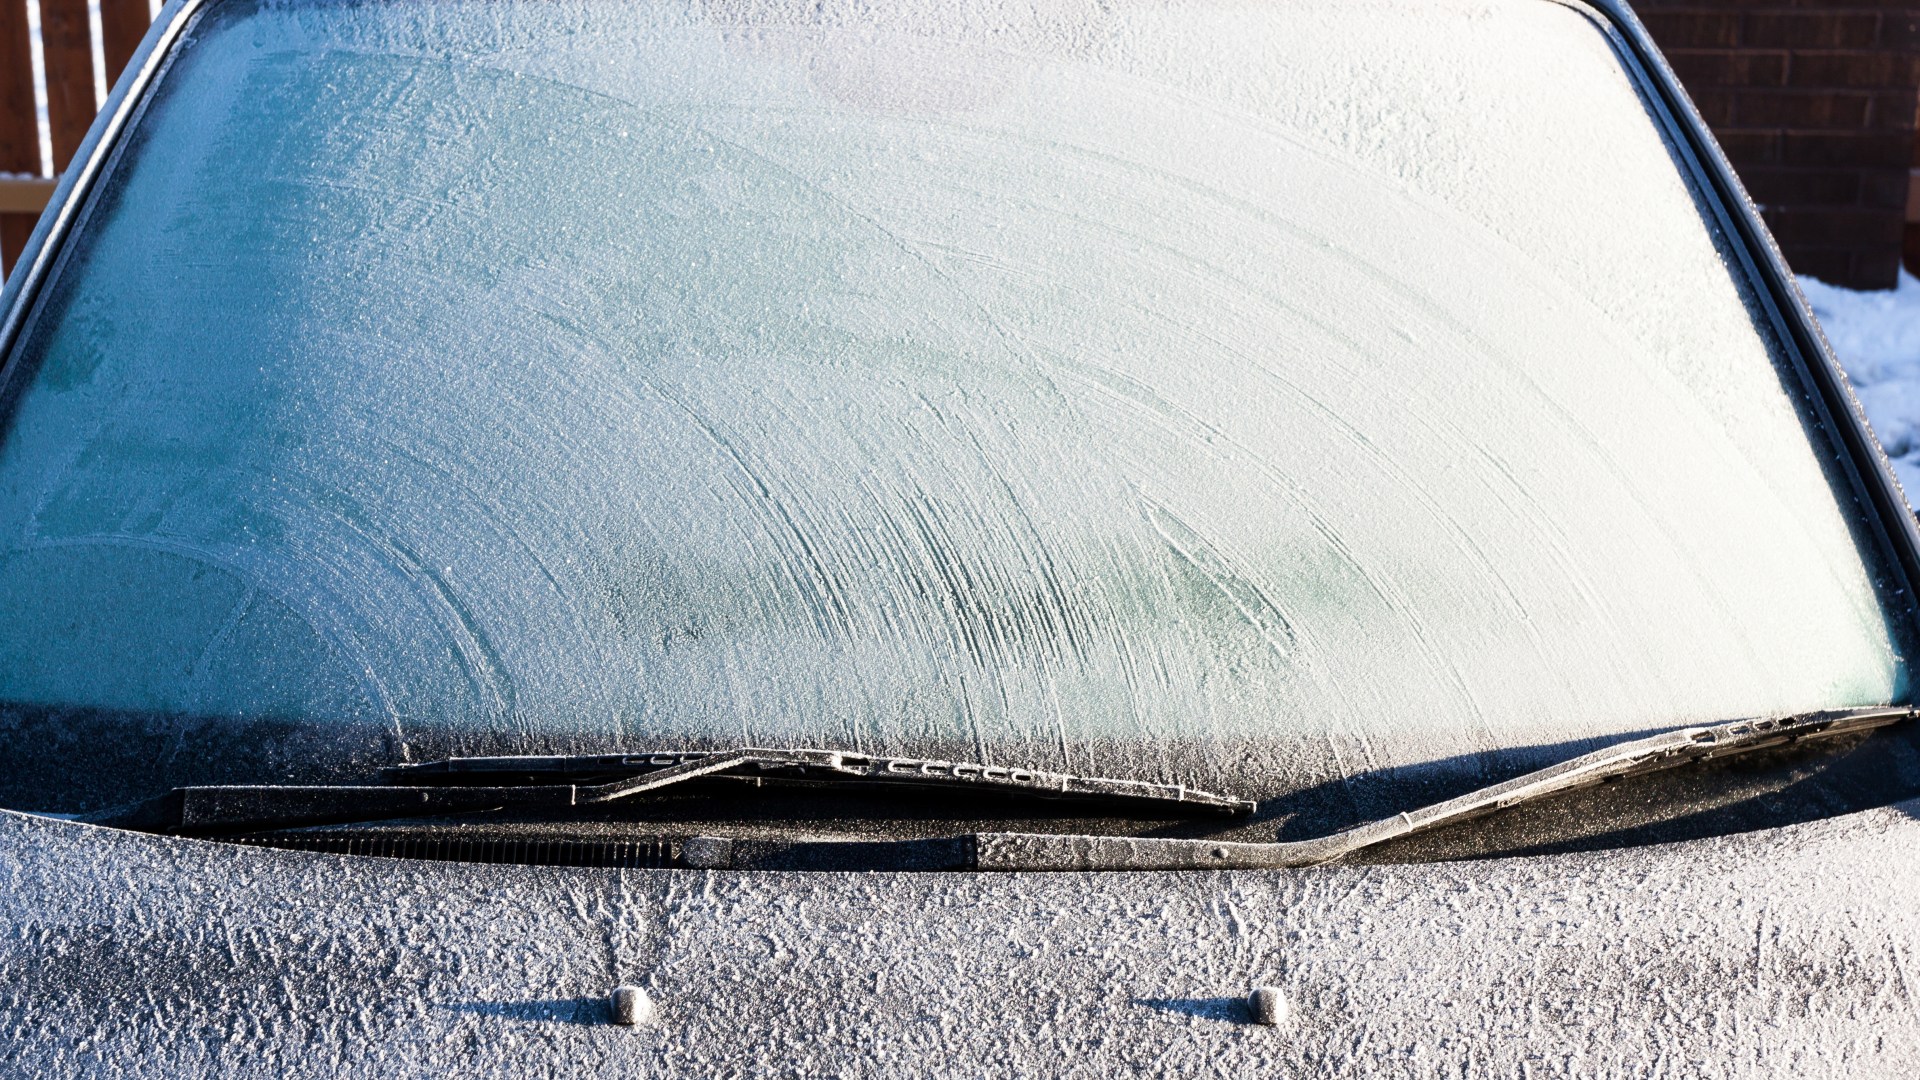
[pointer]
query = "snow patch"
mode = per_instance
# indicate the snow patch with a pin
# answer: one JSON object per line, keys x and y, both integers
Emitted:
{"x": 1876, "y": 336}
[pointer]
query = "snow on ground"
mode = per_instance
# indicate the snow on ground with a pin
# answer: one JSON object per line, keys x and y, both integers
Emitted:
{"x": 1876, "y": 335}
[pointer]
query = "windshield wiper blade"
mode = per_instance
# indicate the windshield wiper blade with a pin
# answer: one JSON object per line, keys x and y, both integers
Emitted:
{"x": 651, "y": 772}
{"x": 461, "y": 785}
{"x": 468, "y": 785}
{"x": 1035, "y": 851}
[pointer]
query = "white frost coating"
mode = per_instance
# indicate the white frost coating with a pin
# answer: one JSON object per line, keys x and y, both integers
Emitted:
{"x": 1263, "y": 394}
{"x": 1785, "y": 952}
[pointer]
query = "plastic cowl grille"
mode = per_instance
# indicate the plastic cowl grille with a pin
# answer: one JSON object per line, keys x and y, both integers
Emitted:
{"x": 632, "y": 854}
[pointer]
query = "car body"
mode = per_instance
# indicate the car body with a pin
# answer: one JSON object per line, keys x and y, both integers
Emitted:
{"x": 572, "y": 395}
{"x": 134, "y": 955}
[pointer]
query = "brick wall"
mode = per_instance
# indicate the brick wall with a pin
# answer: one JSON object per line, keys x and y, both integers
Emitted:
{"x": 1814, "y": 103}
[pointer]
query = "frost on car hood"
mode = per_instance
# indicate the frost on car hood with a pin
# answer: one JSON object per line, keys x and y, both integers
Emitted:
{"x": 1784, "y": 952}
{"x": 1263, "y": 395}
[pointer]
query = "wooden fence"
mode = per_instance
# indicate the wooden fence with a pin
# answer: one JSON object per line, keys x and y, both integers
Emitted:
{"x": 67, "y": 45}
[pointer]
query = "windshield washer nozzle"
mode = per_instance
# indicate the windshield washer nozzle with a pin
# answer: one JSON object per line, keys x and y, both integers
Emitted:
{"x": 1268, "y": 1004}
{"x": 631, "y": 1006}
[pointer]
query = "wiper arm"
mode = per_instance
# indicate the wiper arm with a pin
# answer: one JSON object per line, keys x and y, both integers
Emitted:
{"x": 466, "y": 785}
{"x": 650, "y": 772}
{"x": 461, "y": 785}
{"x": 1030, "y": 851}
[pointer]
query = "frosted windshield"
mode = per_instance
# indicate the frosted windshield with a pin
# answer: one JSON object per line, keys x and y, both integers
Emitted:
{"x": 1255, "y": 394}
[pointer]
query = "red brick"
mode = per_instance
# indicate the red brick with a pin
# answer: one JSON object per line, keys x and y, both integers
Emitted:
{"x": 1812, "y": 30}
{"x": 1716, "y": 107}
{"x": 1834, "y": 227}
{"x": 1747, "y": 148}
{"x": 1893, "y": 110}
{"x": 1802, "y": 187}
{"x": 1856, "y": 5}
{"x": 14, "y": 230}
{"x": 1679, "y": 30}
{"x": 1884, "y": 188}
{"x": 1845, "y": 70}
{"x": 1831, "y": 265}
{"x": 1643, "y": 6}
{"x": 1845, "y": 148}
{"x": 1711, "y": 69}
{"x": 1899, "y": 30}
{"x": 1802, "y": 109}
{"x": 1878, "y": 269}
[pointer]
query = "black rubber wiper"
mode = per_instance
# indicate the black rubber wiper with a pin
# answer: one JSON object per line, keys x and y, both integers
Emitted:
{"x": 1036, "y": 851}
{"x": 461, "y": 785}
{"x": 469, "y": 785}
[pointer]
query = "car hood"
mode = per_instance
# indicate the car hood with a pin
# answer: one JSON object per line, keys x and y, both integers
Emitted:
{"x": 1745, "y": 955}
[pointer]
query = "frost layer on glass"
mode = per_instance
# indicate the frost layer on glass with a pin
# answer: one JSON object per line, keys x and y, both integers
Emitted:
{"x": 1260, "y": 395}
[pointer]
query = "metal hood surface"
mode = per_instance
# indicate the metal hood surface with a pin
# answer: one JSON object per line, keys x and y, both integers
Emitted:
{"x": 1783, "y": 952}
